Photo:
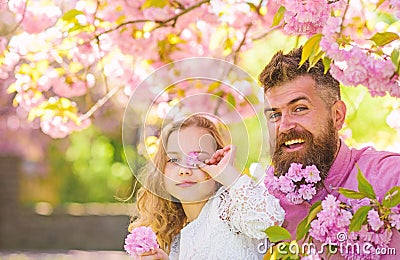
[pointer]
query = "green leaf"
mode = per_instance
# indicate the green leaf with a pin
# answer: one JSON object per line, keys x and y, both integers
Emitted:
{"x": 310, "y": 48}
{"x": 71, "y": 14}
{"x": 327, "y": 64}
{"x": 302, "y": 229}
{"x": 364, "y": 186}
{"x": 252, "y": 98}
{"x": 392, "y": 197}
{"x": 277, "y": 233}
{"x": 359, "y": 218}
{"x": 352, "y": 194}
{"x": 315, "y": 59}
{"x": 379, "y": 3}
{"x": 316, "y": 207}
{"x": 154, "y": 3}
{"x": 213, "y": 86}
{"x": 304, "y": 225}
{"x": 395, "y": 57}
{"x": 231, "y": 100}
{"x": 278, "y": 16}
{"x": 382, "y": 39}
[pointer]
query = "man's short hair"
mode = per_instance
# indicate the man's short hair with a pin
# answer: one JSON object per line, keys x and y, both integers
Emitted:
{"x": 285, "y": 67}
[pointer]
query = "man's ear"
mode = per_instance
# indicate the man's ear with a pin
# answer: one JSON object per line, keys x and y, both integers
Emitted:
{"x": 339, "y": 114}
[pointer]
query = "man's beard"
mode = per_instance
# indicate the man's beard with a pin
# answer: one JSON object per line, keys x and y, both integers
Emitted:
{"x": 319, "y": 150}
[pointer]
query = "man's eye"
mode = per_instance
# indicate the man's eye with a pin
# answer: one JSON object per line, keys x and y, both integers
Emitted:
{"x": 299, "y": 109}
{"x": 274, "y": 116}
{"x": 173, "y": 160}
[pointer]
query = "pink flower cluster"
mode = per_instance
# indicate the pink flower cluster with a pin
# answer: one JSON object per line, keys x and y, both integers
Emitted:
{"x": 376, "y": 239}
{"x": 395, "y": 4}
{"x": 298, "y": 184}
{"x": 192, "y": 159}
{"x": 353, "y": 66}
{"x": 394, "y": 217}
{"x": 332, "y": 223}
{"x": 305, "y": 16}
{"x": 140, "y": 240}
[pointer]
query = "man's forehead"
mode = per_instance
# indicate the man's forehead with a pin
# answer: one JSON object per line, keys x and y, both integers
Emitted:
{"x": 298, "y": 97}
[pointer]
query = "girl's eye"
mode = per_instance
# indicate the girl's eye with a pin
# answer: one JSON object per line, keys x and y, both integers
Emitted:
{"x": 173, "y": 160}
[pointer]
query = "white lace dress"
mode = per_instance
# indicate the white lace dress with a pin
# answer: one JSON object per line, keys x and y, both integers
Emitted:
{"x": 230, "y": 226}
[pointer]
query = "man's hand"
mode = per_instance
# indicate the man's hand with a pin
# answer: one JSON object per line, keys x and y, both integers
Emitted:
{"x": 220, "y": 166}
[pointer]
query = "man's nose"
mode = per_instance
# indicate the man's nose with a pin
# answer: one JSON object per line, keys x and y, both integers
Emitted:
{"x": 286, "y": 123}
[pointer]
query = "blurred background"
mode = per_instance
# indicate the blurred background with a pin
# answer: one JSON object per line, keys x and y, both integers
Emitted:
{"x": 66, "y": 189}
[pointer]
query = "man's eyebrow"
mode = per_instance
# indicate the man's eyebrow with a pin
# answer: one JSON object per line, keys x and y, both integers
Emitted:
{"x": 291, "y": 102}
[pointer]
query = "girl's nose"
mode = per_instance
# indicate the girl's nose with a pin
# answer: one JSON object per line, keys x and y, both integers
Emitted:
{"x": 185, "y": 171}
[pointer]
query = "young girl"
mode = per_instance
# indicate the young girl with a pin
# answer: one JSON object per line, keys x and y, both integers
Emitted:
{"x": 197, "y": 203}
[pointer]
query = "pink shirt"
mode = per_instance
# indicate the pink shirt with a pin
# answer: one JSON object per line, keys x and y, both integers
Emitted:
{"x": 382, "y": 170}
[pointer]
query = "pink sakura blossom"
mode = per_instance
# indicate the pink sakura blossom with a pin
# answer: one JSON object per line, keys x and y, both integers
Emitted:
{"x": 295, "y": 172}
{"x": 60, "y": 127}
{"x": 311, "y": 257}
{"x": 140, "y": 240}
{"x": 192, "y": 159}
{"x": 307, "y": 191}
{"x": 353, "y": 66}
{"x": 305, "y": 17}
{"x": 270, "y": 180}
{"x": 29, "y": 98}
{"x": 297, "y": 184}
{"x": 87, "y": 52}
{"x": 330, "y": 203}
{"x": 35, "y": 17}
{"x": 3, "y": 43}
{"x": 395, "y": 5}
{"x": 362, "y": 69}
{"x": 74, "y": 88}
{"x": 3, "y": 4}
{"x": 311, "y": 174}
{"x": 285, "y": 184}
{"x": 330, "y": 221}
{"x": 10, "y": 60}
{"x": 358, "y": 203}
{"x": 333, "y": 219}
{"x": 394, "y": 220}
{"x": 375, "y": 239}
{"x": 294, "y": 197}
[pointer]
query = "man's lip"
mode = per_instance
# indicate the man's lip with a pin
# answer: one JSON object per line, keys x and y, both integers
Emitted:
{"x": 293, "y": 148}
{"x": 294, "y": 141}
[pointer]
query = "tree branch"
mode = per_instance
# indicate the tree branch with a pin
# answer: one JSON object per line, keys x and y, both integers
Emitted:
{"x": 19, "y": 23}
{"x": 160, "y": 23}
{"x": 266, "y": 33}
{"x": 236, "y": 54}
{"x": 100, "y": 103}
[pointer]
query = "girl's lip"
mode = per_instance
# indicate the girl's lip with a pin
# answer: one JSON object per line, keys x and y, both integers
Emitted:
{"x": 185, "y": 184}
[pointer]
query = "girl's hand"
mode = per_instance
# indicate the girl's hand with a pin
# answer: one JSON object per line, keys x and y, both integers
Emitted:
{"x": 220, "y": 166}
{"x": 157, "y": 254}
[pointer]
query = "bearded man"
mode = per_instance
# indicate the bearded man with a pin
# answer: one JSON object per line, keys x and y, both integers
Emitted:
{"x": 305, "y": 112}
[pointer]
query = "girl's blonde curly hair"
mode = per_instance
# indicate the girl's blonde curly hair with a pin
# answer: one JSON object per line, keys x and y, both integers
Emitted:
{"x": 157, "y": 209}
